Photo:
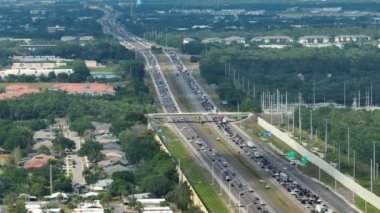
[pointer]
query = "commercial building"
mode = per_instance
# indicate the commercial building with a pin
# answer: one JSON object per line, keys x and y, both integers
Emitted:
{"x": 56, "y": 28}
{"x": 85, "y": 88}
{"x": 316, "y": 39}
{"x": 273, "y": 39}
{"x": 17, "y": 90}
{"x": 351, "y": 38}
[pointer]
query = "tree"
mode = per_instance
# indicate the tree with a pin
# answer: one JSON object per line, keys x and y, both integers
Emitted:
{"x": 19, "y": 136}
{"x": 91, "y": 149}
{"x": 61, "y": 143}
{"x": 138, "y": 145}
{"x": 180, "y": 195}
{"x": 15, "y": 205}
{"x": 157, "y": 184}
{"x": 43, "y": 150}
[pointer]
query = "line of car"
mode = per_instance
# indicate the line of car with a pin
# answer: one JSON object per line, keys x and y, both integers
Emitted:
{"x": 304, "y": 195}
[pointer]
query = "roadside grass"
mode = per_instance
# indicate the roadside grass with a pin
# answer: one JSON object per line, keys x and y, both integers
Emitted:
{"x": 197, "y": 175}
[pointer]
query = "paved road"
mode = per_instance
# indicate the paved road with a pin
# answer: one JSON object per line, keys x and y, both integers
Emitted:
{"x": 327, "y": 196}
{"x": 234, "y": 187}
{"x": 167, "y": 100}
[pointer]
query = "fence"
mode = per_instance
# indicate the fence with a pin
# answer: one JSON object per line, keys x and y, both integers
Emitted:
{"x": 332, "y": 171}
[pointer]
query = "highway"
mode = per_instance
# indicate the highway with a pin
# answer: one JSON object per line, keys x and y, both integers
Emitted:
{"x": 304, "y": 184}
{"x": 240, "y": 194}
{"x": 305, "y": 191}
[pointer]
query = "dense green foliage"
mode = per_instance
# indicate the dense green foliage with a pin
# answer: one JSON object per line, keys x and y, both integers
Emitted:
{"x": 91, "y": 149}
{"x": 98, "y": 50}
{"x": 267, "y": 70}
{"x": 364, "y": 126}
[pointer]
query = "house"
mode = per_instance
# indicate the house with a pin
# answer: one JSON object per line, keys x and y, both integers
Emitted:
{"x": 85, "y": 88}
{"x": 56, "y": 28}
{"x": 212, "y": 40}
{"x": 316, "y": 39}
{"x": 17, "y": 90}
{"x": 151, "y": 202}
{"x": 113, "y": 153}
{"x": 68, "y": 38}
{"x": 110, "y": 161}
{"x": 187, "y": 40}
{"x": 101, "y": 185}
{"x": 351, "y": 38}
{"x": 273, "y": 39}
{"x": 234, "y": 39}
{"x": 58, "y": 196}
{"x": 86, "y": 38}
{"x": 115, "y": 168}
{"x": 27, "y": 197}
{"x": 38, "y": 161}
{"x": 40, "y": 207}
{"x": 3, "y": 156}
{"x": 112, "y": 146}
{"x": 106, "y": 138}
{"x": 159, "y": 209}
{"x": 90, "y": 207}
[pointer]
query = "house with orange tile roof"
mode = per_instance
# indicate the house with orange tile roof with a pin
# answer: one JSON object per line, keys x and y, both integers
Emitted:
{"x": 17, "y": 90}
{"x": 85, "y": 88}
{"x": 38, "y": 161}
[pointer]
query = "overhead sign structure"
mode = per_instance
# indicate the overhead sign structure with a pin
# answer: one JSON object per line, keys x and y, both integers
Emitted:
{"x": 291, "y": 155}
{"x": 304, "y": 160}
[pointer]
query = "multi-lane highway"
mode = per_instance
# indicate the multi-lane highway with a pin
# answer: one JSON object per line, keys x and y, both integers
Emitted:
{"x": 303, "y": 192}
{"x": 241, "y": 195}
{"x": 307, "y": 191}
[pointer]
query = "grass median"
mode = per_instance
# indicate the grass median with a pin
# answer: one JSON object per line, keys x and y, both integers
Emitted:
{"x": 198, "y": 176}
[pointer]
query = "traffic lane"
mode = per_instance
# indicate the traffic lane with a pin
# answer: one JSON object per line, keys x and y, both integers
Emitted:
{"x": 226, "y": 157}
{"x": 327, "y": 196}
{"x": 235, "y": 190}
{"x": 186, "y": 88}
{"x": 180, "y": 68}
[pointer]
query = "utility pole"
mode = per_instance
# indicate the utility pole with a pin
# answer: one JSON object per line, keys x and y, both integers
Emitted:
{"x": 51, "y": 179}
{"x": 311, "y": 124}
{"x": 299, "y": 123}
{"x": 374, "y": 160}
{"x": 371, "y": 94}
{"x": 338, "y": 156}
{"x": 344, "y": 93}
{"x": 225, "y": 68}
{"x": 371, "y": 176}
{"x": 293, "y": 119}
{"x": 348, "y": 145}
{"x": 313, "y": 93}
{"x": 354, "y": 164}
{"x": 326, "y": 139}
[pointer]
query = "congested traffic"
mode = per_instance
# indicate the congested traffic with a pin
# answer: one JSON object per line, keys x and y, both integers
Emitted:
{"x": 301, "y": 193}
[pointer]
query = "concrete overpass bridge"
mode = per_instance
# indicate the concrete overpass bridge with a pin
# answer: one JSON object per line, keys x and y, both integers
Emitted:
{"x": 198, "y": 116}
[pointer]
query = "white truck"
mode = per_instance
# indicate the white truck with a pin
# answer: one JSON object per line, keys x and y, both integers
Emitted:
{"x": 250, "y": 144}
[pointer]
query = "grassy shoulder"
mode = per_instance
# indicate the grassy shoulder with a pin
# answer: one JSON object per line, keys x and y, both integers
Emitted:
{"x": 198, "y": 177}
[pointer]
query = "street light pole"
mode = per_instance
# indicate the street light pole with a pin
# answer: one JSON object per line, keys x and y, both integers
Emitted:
{"x": 229, "y": 190}
{"x": 212, "y": 173}
{"x": 220, "y": 185}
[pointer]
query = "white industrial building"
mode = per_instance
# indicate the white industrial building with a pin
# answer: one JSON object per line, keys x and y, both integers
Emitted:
{"x": 316, "y": 39}
{"x": 273, "y": 39}
{"x": 351, "y": 38}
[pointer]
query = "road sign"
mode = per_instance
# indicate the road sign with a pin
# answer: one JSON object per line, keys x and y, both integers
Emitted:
{"x": 291, "y": 155}
{"x": 304, "y": 160}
